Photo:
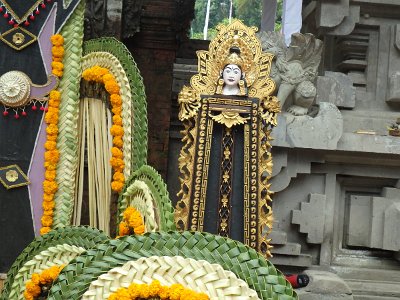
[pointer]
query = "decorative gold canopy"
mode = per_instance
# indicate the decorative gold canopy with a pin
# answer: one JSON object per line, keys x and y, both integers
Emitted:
{"x": 256, "y": 67}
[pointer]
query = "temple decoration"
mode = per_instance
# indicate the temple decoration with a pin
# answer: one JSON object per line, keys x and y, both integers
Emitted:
{"x": 228, "y": 113}
{"x": 12, "y": 176}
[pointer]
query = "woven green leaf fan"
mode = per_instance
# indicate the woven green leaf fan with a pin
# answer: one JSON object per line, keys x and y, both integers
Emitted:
{"x": 248, "y": 265}
{"x": 57, "y": 247}
{"x": 146, "y": 191}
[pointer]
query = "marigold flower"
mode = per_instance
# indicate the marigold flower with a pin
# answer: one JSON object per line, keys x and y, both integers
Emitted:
{"x": 139, "y": 230}
{"x": 52, "y": 137}
{"x": 118, "y": 142}
{"x": 118, "y": 176}
{"x": 115, "y": 100}
{"x": 47, "y": 221}
{"x": 55, "y": 95}
{"x": 117, "y": 120}
{"x": 117, "y": 186}
{"x": 52, "y": 156}
{"x": 117, "y": 163}
{"x": 50, "y": 145}
{"x": 57, "y": 40}
{"x": 50, "y": 166}
{"x": 50, "y": 187}
{"x": 52, "y": 129}
{"x": 44, "y": 230}
{"x": 57, "y": 72}
{"x": 48, "y": 197}
{"x": 48, "y": 205}
{"x": 117, "y": 130}
{"x": 57, "y": 51}
{"x": 123, "y": 229}
{"x": 116, "y": 110}
{"x": 116, "y": 152}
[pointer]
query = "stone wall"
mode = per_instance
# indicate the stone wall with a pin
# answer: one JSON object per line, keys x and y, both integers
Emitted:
{"x": 163, "y": 25}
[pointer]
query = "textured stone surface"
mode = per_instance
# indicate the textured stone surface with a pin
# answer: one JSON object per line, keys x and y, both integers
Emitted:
{"x": 321, "y": 132}
{"x": 310, "y": 219}
{"x": 336, "y": 88}
{"x": 325, "y": 286}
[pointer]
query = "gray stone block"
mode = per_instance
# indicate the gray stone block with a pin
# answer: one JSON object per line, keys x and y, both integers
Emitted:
{"x": 325, "y": 286}
{"x": 336, "y": 88}
{"x": 321, "y": 132}
{"x": 303, "y": 260}
{"x": 287, "y": 249}
{"x": 311, "y": 219}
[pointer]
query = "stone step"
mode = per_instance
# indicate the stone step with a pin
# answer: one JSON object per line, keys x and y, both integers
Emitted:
{"x": 292, "y": 249}
{"x": 302, "y": 260}
{"x": 382, "y": 290}
{"x": 278, "y": 237}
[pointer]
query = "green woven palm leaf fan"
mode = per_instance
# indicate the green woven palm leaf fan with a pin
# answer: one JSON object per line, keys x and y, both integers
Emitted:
{"x": 248, "y": 265}
{"x": 139, "y": 103}
{"x": 56, "y": 247}
{"x": 146, "y": 191}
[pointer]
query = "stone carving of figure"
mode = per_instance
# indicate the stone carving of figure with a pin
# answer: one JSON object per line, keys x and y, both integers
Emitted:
{"x": 294, "y": 69}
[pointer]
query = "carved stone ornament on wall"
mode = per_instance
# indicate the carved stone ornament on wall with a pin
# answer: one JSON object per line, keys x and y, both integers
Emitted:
{"x": 294, "y": 68}
{"x": 226, "y": 161}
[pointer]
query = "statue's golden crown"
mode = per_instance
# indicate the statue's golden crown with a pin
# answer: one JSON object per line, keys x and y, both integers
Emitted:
{"x": 234, "y": 59}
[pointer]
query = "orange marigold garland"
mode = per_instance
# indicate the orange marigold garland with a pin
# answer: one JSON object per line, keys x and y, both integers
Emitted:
{"x": 52, "y": 154}
{"x": 132, "y": 222}
{"x": 157, "y": 291}
{"x": 40, "y": 284}
{"x": 103, "y": 75}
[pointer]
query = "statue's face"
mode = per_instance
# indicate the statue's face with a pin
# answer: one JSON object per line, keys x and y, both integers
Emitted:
{"x": 231, "y": 75}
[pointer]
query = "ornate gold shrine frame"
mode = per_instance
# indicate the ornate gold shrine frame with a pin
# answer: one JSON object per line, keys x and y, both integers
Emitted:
{"x": 195, "y": 102}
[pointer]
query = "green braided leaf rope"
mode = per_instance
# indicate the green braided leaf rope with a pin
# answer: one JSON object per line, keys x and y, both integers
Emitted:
{"x": 80, "y": 236}
{"x": 158, "y": 189}
{"x": 67, "y": 141}
{"x": 245, "y": 262}
{"x": 139, "y": 103}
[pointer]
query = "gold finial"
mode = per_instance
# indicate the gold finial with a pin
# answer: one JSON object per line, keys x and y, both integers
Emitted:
{"x": 234, "y": 57}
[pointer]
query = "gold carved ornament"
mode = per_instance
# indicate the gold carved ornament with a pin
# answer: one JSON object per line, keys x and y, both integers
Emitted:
{"x": 256, "y": 67}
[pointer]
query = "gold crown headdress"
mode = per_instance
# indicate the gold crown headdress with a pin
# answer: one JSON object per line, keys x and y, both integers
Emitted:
{"x": 234, "y": 58}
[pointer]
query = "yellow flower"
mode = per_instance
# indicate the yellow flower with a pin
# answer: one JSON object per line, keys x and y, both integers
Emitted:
{"x": 117, "y": 130}
{"x": 117, "y": 186}
{"x": 116, "y": 110}
{"x": 117, "y": 120}
{"x": 52, "y": 129}
{"x": 139, "y": 230}
{"x": 48, "y": 205}
{"x": 47, "y": 221}
{"x": 115, "y": 100}
{"x": 118, "y": 142}
{"x": 57, "y": 51}
{"x": 44, "y": 230}
{"x": 52, "y": 156}
{"x": 135, "y": 219}
{"x": 50, "y": 145}
{"x": 123, "y": 229}
{"x": 50, "y": 187}
{"x": 57, "y": 40}
{"x": 55, "y": 95}
{"x": 117, "y": 153}
{"x": 57, "y": 72}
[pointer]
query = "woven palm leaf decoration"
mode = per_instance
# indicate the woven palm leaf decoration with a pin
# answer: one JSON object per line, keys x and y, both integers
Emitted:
{"x": 56, "y": 247}
{"x": 138, "y": 96}
{"x": 197, "y": 275}
{"x": 146, "y": 191}
{"x": 248, "y": 265}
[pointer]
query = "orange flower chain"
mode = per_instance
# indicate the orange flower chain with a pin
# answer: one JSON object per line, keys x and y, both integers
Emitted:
{"x": 102, "y": 75}
{"x": 155, "y": 289}
{"x": 34, "y": 287}
{"x": 52, "y": 155}
{"x": 132, "y": 222}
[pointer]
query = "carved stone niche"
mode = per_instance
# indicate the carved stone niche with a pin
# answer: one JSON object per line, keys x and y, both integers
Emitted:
{"x": 374, "y": 222}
